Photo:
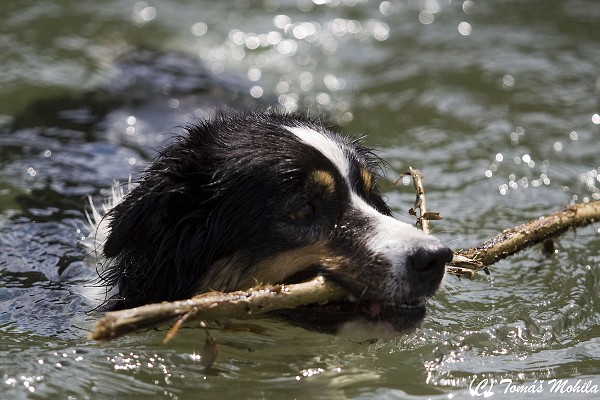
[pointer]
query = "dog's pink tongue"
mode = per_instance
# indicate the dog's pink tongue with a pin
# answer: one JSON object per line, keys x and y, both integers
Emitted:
{"x": 375, "y": 309}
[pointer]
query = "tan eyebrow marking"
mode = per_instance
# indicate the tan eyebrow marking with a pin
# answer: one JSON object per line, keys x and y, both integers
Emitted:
{"x": 323, "y": 180}
{"x": 367, "y": 179}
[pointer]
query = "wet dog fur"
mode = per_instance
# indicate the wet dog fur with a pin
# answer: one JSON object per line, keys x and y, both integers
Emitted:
{"x": 256, "y": 198}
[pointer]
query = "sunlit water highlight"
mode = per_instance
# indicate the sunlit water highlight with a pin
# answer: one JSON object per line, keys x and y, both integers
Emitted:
{"x": 495, "y": 102}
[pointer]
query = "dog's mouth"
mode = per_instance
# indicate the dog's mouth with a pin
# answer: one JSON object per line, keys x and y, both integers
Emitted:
{"x": 331, "y": 317}
{"x": 401, "y": 315}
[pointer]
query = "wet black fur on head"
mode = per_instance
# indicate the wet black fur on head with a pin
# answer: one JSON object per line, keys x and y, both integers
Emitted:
{"x": 264, "y": 198}
{"x": 219, "y": 197}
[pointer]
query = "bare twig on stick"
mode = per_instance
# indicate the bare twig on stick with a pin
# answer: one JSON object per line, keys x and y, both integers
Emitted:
{"x": 467, "y": 267}
{"x": 420, "y": 203}
{"x": 424, "y": 216}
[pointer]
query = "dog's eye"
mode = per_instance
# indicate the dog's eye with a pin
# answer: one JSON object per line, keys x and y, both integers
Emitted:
{"x": 305, "y": 212}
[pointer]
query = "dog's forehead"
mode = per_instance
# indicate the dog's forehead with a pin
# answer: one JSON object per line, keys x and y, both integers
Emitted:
{"x": 333, "y": 150}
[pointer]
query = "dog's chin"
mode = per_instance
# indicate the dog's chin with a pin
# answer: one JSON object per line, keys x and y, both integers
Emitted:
{"x": 367, "y": 319}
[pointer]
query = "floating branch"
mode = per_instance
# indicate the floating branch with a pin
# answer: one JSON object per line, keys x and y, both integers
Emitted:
{"x": 240, "y": 304}
{"x": 512, "y": 240}
{"x": 215, "y": 305}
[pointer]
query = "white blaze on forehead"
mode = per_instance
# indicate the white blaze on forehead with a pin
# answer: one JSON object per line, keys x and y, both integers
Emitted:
{"x": 389, "y": 234}
{"x": 328, "y": 147}
{"x": 388, "y": 237}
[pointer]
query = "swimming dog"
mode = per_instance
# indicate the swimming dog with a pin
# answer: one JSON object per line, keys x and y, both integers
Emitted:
{"x": 255, "y": 198}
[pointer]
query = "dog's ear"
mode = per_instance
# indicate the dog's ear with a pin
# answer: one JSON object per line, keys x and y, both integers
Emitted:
{"x": 132, "y": 220}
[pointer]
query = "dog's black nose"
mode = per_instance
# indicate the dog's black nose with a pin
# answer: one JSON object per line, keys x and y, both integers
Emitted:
{"x": 429, "y": 263}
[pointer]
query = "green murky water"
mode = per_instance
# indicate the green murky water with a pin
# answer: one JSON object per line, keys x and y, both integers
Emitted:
{"x": 497, "y": 102}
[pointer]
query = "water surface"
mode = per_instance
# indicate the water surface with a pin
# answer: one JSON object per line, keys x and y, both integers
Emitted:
{"x": 496, "y": 102}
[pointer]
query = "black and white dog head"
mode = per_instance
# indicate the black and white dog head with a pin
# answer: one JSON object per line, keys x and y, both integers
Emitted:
{"x": 269, "y": 198}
